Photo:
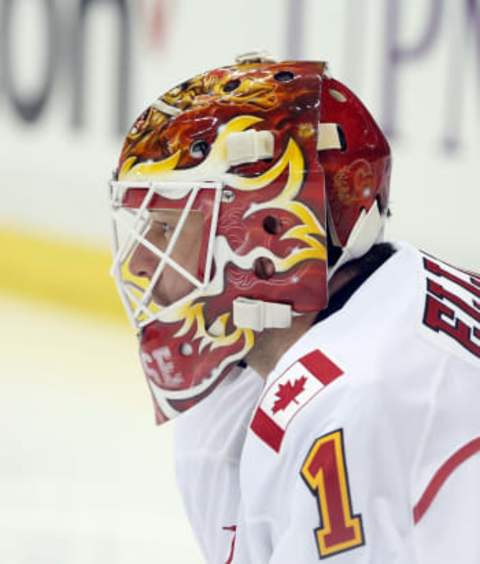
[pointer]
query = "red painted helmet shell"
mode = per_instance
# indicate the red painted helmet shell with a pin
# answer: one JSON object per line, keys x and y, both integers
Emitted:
{"x": 359, "y": 175}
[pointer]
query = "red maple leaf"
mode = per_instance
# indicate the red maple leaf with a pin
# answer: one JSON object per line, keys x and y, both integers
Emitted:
{"x": 287, "y": 393}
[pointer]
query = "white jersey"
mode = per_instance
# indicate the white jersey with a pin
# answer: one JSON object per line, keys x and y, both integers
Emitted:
{"x": 209, "y": 439}
{"x": 364, "y": 443}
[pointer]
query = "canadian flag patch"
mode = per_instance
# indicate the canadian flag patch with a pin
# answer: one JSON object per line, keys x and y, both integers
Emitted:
{"x": 290, "y": 393}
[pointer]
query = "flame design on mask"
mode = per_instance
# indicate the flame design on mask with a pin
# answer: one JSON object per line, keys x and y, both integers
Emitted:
{"x": 216, "y": 336}
{"x": 189, "y": 311}
{"x": 309, "y": 227}
{"x": 131, "y": 170}
{"x": 213, "y": 167}
{"x": 258, "y": 91}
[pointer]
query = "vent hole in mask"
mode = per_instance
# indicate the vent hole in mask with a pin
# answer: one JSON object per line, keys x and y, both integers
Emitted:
{"x": 199, "y": 149}
{"x": 284, "y": 76}
{"x": 231, "y": 85}
{"x": 342, "y": 139}
{"x": 264, "y": 268}
{"x": 271, "y": 225}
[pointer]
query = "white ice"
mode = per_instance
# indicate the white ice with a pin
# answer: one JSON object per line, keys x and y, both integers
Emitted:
{"x": 85, "y": 475}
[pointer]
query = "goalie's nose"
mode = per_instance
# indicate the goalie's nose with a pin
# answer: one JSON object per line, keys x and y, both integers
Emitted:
{"x": 143, "y": 261}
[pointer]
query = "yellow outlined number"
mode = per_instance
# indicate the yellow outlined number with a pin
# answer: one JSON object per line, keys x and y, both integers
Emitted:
{"x": 325, "y": 473}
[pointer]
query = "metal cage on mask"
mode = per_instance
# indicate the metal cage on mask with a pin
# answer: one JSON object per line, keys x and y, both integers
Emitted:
{"x": 132, "y": 205}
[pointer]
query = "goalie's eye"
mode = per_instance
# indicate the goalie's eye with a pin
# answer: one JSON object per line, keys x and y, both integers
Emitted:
{"x": 163, "y": 228}
{"x": 166, "y": 228}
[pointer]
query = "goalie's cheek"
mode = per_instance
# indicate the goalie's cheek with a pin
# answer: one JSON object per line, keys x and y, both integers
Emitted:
{"x": 171, "y": 287}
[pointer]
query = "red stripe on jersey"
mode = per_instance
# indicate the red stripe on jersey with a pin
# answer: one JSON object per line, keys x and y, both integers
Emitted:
{"x": 321, "y": 367}
{"x": 264, "y": 426}
{"x": 233, "y": 529}
{"x": 442, "y": 475}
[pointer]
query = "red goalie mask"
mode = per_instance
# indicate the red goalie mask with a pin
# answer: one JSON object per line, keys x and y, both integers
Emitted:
{"x": 223, "y": 195}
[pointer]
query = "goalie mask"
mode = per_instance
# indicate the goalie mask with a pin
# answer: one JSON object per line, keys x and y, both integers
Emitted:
{"x": 221, "y": 201}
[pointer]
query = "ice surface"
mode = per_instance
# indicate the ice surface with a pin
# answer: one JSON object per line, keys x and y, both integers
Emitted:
{"x": 85, "y": 476}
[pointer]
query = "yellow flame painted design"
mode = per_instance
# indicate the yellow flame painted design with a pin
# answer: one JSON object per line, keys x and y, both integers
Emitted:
{"x": 193, "y": 316}
{"x": 214, "y": 167}
{"x": 130, "y": 170}
{"x": 309, "y": 226}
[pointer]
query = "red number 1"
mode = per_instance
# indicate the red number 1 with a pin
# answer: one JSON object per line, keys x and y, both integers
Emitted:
{"x": 325, "y": 473}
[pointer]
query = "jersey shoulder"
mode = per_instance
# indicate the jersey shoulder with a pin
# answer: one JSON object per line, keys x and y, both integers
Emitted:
{"x": 285, "y": 396}
{"x": 428, "y": 301}
{"x": 413, "y": 303}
